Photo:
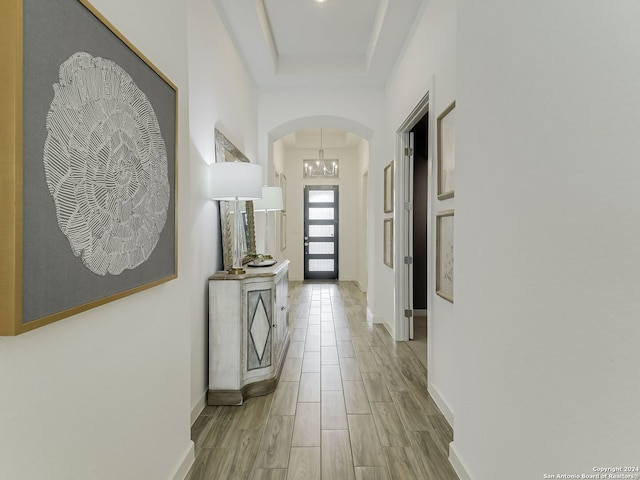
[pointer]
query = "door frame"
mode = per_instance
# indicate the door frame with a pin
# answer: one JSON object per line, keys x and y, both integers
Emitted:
{"x": 403, "y": 223}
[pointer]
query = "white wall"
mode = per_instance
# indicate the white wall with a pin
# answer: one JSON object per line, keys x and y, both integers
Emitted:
{"x": 349, "y": 218}
{"x": 428, "y": 66}
{"x": 363, "y": 209}
{"x": 547, "y": 250}
{"x": 105, "y": 394}
{"x": 223, "y": 96}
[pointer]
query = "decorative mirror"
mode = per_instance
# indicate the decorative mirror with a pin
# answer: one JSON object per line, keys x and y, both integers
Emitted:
{"x": 227, "y": 152}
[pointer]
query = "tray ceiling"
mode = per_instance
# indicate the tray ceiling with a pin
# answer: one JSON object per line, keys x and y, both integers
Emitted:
{"x": 303, "y": 43}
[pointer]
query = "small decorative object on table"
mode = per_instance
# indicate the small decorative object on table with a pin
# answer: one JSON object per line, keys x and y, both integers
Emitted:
{"x": 259, "y": 260}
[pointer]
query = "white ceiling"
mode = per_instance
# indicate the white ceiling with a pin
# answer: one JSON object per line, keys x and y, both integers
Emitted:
{"x": 287, "y": 43}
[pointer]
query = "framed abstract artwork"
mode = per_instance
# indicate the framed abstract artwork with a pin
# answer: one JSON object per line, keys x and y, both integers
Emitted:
{"x": 388, "y": 242}
{"x": 446, "y": 152}
{"x": 88, "y": 172}
{"x": 444, "y": 255}
{"x": 388, "y": 188}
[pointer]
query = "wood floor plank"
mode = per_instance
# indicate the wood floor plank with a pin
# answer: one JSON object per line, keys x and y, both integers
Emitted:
{"x": 242, "y": 457}
{"x": 367, "y": 362}
{"x": 394, "y": 379}
{"x": 200, "y": 429}
{"x": 372, "y": 473}
{"x": 328, "y": 339}
{"x": 350, "y": 369}
{"x": 276, "y": 443}
{"x": 345, "y": 348}
{"x": 311, "y": 362}
{"x": 253, "y": 414}
{"x": 389, "y": 426}
{"x": 333, "y": 411}
{"x": 403, "y": 463}
{"x": 330, "y": 378}
{"x": 304, "y": 463}
{"x": 291, "y": 370}
{"x": 365, "y": 444}
{"x": 355, "y": 398}
{"x": 285, "y": 399}
{"x": 296, "y": 349}
{"x": 306, "y": 429}
{"x": 298, "y": 335}
{"x": 337, "y": 462}
{"x": 434, "y": 460}
{"x": 329, "y": 355}
{"x": 342, "y": 333}
{"x": 413, "y": 418}
{"x": 376, "y": 387}
{"x": 312, "y": 344}
{"x": 270, "y": 474}
{"x": 309, "y": 390}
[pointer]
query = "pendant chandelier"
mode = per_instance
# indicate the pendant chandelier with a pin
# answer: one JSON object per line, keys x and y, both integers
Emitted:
{"x": 320, "y": 167}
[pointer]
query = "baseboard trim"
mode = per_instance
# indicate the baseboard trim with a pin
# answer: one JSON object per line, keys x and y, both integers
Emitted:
{"x": 442, "y": 404}
{"x": 186, "y": 463}
{"x": 198, "y": 408}
{"x": 360, "y": 286}
{"x": 457, "y": 463}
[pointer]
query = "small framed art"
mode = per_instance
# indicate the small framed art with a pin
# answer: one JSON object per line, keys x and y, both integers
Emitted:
{"x": 388, "y": 242}
{"x": 388, "y": 188}
{"x": 444, "y": 255}
{"x": 446, "y": 152}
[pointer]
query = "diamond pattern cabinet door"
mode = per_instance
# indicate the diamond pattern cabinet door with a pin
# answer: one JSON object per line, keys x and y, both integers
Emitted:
{"x": 259, "y": 332}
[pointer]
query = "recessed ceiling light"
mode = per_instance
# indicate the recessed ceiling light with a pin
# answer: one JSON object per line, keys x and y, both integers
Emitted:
{"x": 320, "y": 1}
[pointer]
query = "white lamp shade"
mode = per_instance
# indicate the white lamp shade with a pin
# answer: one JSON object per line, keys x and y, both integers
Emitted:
{"x": 271, "y": 200}
{"x": 236, "y": 180}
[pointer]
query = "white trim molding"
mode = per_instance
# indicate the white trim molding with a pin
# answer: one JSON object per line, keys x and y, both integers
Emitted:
{"x": 441, "y": 403}
{"x": 457, "y": 463}
{"x": 186, "y": 463}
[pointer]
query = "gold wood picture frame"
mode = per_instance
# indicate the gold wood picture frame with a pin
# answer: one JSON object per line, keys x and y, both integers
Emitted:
{"x": 444, "y": 255}
{"x": 78, "y": 184}
{"x": 446, "y": 152}
{"x": 388, "y": 187}
{"x": 388, "y": 242}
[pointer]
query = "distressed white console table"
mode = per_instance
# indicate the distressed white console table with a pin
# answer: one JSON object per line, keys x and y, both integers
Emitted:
{"x": 248, "y": 332}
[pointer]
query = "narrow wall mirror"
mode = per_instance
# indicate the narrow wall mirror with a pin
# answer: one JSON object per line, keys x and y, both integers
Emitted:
{"x": 227, "y": 152}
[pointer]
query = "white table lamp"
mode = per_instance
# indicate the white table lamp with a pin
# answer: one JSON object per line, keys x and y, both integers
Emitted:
{"x": 235, "y": 181}
{"x": 271, "y": 201}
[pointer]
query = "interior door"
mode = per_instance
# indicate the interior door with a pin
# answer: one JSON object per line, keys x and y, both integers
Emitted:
{"x": 321, "y": 232}
{"x": 408, "y": 248}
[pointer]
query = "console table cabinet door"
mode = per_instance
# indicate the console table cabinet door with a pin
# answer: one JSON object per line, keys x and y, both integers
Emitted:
{"x": 259, "y": 332}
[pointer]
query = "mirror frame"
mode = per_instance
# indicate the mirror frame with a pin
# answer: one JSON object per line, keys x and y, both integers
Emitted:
{"x": 224, "y": 150}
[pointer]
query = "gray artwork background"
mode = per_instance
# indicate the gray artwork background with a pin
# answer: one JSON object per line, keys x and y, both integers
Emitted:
{"x": 53, "y": 279}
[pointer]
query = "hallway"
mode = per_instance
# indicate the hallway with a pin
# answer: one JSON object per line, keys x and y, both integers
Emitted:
{"x": 351, "y": 404}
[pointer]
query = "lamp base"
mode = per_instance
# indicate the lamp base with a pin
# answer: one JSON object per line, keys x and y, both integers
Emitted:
{"x": 236, "y": 271}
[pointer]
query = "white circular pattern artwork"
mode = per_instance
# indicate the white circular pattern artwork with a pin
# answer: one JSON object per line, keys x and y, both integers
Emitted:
{"x": 106, "y": 165}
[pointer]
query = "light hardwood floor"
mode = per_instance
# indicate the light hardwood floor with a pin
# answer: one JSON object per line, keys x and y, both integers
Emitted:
{"x": 351, "y": 404}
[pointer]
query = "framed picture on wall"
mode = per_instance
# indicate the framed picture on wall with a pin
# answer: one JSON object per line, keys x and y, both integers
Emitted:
{"x": 446, "y": 152}
{"x": 88, "y": 142}
{"x": 444, "y": 255}
{"x": 388, "y": 242}
{"x": 388, "y": 188}
{"x": 283, "y": 185}
{"x": 283, "y": 230}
